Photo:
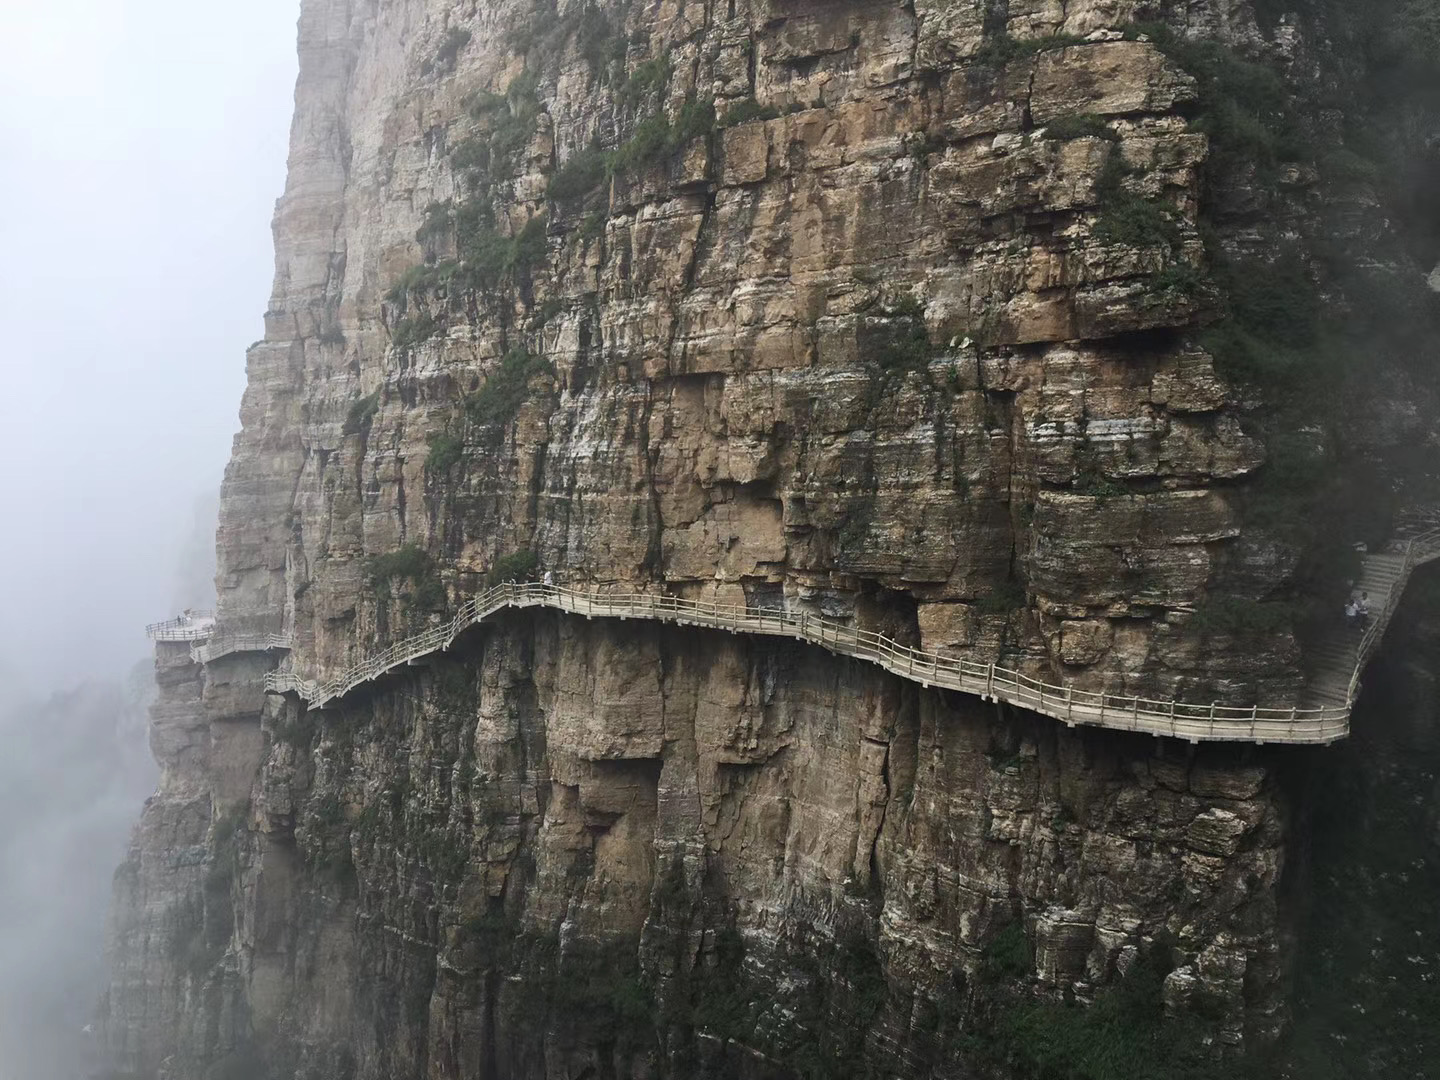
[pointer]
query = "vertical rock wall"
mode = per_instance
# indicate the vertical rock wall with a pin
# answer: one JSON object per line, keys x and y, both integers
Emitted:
{"x": 888, "y": 311}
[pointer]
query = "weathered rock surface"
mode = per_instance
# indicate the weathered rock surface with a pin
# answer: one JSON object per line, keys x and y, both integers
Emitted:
{"x": 874, "y": 352}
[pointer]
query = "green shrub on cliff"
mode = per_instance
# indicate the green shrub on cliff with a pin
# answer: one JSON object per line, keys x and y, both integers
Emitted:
{"x": 455, "y": 39}
{"x": 500, "y": 398}
{"x": 446, "y": 451}
{"x": 747, "y": 111}
{"x": 1272, "y": 331}
{"x": 439, "y": 221}
{"x": 519, "y": 566}
{"x": 489, "y": 258}
{"x": 360, "y": 414}
{"x": 646, "y": 79}
{"x": 409, "y": 562}
{"x": 1000, "y": 49}
{"x": 413, "y": 329}
{"x": 1080, "y": 125}
{"x": 1126, "y": 217}
{"x": 581, "y": 174}
{"x": 1123, "y": 1035}
{"x": 656, "y": 139}
{"x": 1243, "y": 106}
{"x": 1240, "y": 616}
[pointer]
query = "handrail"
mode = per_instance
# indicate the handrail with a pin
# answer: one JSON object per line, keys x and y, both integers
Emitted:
{"x": 1122, "y": 712}
{"x": 181, "y": 620}
{"x": 224, "y": 644}
{"x": 195, "y": 626}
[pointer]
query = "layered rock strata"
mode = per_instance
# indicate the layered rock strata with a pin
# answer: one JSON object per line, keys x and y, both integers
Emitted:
{"x": 886, "y": 311}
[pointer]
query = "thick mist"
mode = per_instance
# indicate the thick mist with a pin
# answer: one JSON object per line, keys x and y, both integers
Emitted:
{"x": 144, "y": 146}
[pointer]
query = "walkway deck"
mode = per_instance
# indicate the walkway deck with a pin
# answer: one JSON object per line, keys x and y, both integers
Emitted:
{"x": 1332, "y": 681}
{"x": 194, "y": 626}
{"x": 225, "y": 644}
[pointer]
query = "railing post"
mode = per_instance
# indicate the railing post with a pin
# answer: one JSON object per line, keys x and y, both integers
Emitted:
{"x": 1070, "y": 705}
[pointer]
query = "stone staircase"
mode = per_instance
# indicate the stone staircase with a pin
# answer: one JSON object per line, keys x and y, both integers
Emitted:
{"x": 1332, "y": 664}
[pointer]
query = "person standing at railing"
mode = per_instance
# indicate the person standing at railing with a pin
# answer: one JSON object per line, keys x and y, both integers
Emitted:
{"x": 549, "y": 579}
{"x": 1362, "y": 609}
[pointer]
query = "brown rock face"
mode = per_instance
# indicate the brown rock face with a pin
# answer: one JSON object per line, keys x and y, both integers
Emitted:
{"x": 900, "y": 332}
{"x": 875, "y": 350}
{"x": 557, "y": 785}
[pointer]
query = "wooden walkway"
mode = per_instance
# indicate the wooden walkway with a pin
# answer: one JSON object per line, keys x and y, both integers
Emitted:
{"x": 1323, "y": 716}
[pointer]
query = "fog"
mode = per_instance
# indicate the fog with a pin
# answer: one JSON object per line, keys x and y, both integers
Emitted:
{"x": 143, "y": 146}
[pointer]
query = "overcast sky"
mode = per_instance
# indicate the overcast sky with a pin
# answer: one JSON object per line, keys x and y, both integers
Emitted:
{"x": 142, "y": 147}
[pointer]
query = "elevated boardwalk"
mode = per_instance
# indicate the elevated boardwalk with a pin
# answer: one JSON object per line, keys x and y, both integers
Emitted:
{"x": 1323, "y": 716}
{"x": 224, "y": 644}
{"x": 1324, "y": 719}
{"x": 198, "y": 628}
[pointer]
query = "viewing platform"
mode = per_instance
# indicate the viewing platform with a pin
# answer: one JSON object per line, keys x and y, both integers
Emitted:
{"x": 198, "y": 628}
{"x": 191, "y": 626}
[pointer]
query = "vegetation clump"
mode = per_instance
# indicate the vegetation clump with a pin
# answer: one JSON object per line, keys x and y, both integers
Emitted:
{"x": 360, "y": 414}
{"x": 646, "y": 79}
{"x": 1128, "y": 218}
{"x": 1079, "y": 126}
{"x": 1001, "y": 49}
{"x": 907, "y": 347}
{"x": 410, "y": 563}
{"x": 446, "y": 451}
{"x": 413, "y": 329}
{"x": 518, "y": 566}
{"x": 747, "y": 111}
{"x": 500, "y": 398}
{"x": 1243, "y": 106}
{"x": 455, "y": 40}
{"x": 582, "y": 174}
{"x": 1238, "y": 616}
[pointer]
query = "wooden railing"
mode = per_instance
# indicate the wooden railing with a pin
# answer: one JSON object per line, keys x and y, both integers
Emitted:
{"x": 1121, "y": 712}
{"x": 224, "y": 644}
{"x": 197, "y": 626}
{"x": 1182, "y": 720}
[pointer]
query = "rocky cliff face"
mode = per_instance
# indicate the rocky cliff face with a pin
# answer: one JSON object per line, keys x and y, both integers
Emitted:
{"x": 976, "y": 324}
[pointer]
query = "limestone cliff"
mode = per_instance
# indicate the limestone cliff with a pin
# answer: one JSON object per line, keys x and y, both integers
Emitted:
{"x": 1013, "y": 330}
